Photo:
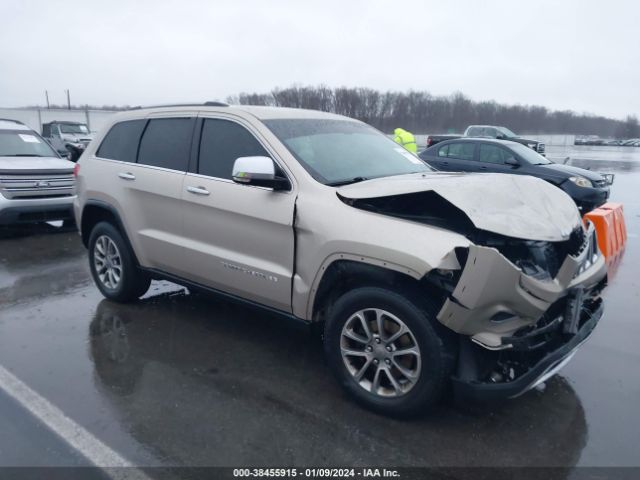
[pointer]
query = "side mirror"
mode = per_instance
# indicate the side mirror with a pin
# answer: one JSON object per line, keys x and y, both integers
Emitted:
{"x": 512, "y": 161}
{"x": 260, "y": 172}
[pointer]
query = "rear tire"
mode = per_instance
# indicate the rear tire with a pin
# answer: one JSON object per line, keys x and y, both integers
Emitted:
{"x": 113, "y": 267}
{"x": 355, "y": 353}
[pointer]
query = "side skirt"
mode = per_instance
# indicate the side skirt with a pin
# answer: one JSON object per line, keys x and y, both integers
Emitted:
{"x": 289, "y": 317}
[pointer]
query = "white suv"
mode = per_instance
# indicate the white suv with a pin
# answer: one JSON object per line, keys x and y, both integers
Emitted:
{"x": 35, "y": 183}
{"x": 420, "y": 278}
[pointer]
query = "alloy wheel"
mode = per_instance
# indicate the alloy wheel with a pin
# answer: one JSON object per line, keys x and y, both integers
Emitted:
{"x": 380, "y": 352}
{"x": 107, "y": 262}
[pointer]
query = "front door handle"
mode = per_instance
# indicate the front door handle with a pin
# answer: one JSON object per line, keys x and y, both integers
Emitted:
{"x": 127, "y": 176}
{"x": 483, "y": 168}
{"x": 198, "y": 190}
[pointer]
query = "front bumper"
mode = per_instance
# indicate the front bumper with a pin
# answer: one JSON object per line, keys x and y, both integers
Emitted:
{"x": 587, "y": 198}
{"x": 548, "y": 365}
{"x": 494, "y": 298}
{"x": 35, "y": 210}
{"x": 515, "y": 329}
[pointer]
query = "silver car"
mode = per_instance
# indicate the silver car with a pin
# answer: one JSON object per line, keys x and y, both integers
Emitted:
{"x": 35, "y": 183}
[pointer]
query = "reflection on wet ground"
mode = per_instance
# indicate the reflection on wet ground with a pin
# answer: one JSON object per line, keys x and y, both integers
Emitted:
{"x": 187, "y": 379}
{"x": 257, "y": 391}
{"x": 599, "y": 159}
{"x": 607, "y": 154}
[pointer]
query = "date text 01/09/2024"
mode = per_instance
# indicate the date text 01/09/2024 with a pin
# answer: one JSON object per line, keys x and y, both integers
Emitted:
{"x": 316, "y": 472}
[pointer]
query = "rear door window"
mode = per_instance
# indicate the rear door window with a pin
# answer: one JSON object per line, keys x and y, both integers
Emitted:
{"x": 121, "y": 143}
{"x": 222, "y": 142}
{"x": 166, "y": 143}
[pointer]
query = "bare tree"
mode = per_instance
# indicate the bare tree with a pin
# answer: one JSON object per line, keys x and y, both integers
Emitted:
{"x": 422, "y": 112}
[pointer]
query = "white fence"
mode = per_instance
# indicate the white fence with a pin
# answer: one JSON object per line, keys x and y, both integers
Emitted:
{"x": 555, "y": 140}
{"x": 35, "y": 117}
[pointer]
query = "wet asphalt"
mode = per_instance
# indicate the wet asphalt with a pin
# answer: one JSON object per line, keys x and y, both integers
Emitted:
{"x": 190, "y": 380}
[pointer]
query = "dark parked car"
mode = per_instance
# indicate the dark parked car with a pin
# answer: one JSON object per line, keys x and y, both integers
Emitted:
{"x": 588, "y": 189}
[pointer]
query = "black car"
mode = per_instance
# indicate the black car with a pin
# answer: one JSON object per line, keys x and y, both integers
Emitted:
{"x": 588, "y": 189}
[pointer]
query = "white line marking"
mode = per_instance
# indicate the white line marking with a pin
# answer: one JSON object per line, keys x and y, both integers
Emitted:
{"x": 75, "y": 435}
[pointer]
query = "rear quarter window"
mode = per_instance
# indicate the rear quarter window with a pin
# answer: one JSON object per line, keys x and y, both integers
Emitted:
{"x": 121, "y": 143}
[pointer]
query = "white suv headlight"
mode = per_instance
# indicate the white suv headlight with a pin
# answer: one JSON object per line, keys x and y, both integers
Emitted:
{"x": 581, "y": 181}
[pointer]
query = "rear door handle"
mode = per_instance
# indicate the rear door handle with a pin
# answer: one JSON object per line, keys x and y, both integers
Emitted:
{"x": 198, "y": 190}
{"x": 127, "y": 176}
{"x": 483, "y": 168}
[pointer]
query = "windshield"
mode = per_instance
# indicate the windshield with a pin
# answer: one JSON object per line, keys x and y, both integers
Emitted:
{"x": 337, "y": 152}
{"x": 23, "y": 144}
{"x": 73, "y": 128}
{"x": 506, "y": 132}
{"x": 534, "y": 158}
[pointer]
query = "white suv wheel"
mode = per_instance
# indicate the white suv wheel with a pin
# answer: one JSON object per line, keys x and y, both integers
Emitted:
{"x": 107, "y": 262}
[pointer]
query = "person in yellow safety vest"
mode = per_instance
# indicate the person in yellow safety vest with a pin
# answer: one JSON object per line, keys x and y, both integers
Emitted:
{"x": 406, "y": 139}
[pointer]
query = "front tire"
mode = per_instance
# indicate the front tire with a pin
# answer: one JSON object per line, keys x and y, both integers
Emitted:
{"x": 386, "y": 351}
{"x": 113, "y": 267}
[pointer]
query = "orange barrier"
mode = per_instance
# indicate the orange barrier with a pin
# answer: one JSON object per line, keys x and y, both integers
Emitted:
{"x": 611, "y": 230}
{"x": 621, "y": 228}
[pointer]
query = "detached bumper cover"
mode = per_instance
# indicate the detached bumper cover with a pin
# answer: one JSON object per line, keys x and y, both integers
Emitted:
{"x": 550, "y": 364}
{"x": 493, "y": 298}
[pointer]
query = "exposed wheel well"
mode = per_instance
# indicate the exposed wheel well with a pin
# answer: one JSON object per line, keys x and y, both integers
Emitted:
{"x": 91, "y": 216}
{"x": 94, "y": 213}
{"x": 344, "y": 275}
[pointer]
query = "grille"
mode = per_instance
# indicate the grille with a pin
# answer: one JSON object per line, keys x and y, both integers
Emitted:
{"x": 600, "y": 183}
{"x": 37, "y": 186}
{"x": 540, "y": 148}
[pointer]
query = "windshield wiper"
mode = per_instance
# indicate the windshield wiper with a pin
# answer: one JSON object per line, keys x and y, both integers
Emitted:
{"x": 347, "y": 182}
{"x": 22, "y": 155}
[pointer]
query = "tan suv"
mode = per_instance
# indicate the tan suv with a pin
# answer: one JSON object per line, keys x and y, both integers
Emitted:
{"x": 420, "y": 278}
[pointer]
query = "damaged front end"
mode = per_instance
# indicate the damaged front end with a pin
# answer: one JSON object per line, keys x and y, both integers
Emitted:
{"x": 522, "y": 308}
{"x": 527, "y": 292}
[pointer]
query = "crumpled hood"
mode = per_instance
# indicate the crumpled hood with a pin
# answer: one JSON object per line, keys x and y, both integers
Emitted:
{"x": 513, "y": 205}
{"x": 17, "y": 165}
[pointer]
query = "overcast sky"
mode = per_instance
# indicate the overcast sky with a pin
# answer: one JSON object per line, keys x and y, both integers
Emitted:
{"x": 580, "y": 55}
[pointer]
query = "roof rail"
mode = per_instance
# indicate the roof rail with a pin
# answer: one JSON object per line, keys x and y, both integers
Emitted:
{"x": 66, "y": 122}
{"x": 205, "y": 104}
{"x": 11, "y": 120}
